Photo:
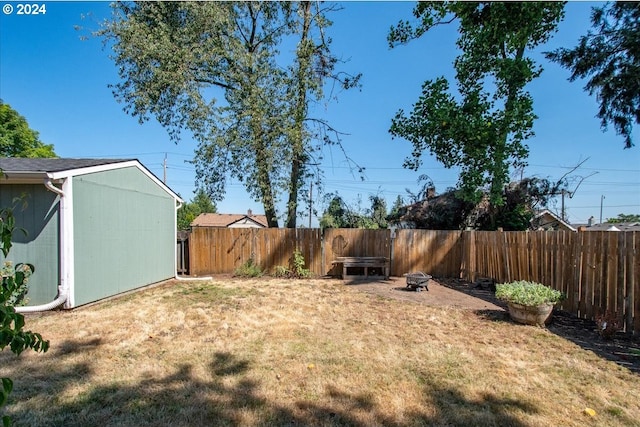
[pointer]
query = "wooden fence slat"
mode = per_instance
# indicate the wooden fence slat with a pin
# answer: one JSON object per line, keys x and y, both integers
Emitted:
{"x": 612, "y": 273}
{"x": 600, "y": 272}
{"x": 634, "y": 282}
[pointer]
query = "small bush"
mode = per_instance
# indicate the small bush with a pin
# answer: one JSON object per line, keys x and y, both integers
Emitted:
{"x": 297, "y": 261}
{"x": 296, "y": 270}
{"x": 527, "y": 293}
{"x": 281, "y": 271}
{"x": 248, "y": 269}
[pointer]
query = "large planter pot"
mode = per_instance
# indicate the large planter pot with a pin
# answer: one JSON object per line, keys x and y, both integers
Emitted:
{"x": 538, "y": 315}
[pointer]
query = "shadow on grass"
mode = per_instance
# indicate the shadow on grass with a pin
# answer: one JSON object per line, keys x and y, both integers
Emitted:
{"x": 366, "y": 281}
{"x": 472, "y": 290}
{"x": 493, "y": 315}
{"x": 447, "y": 407}
{"x": 488, "y": 410}
{"x": 47, "y": 396}
{"x": 623, "y": 349}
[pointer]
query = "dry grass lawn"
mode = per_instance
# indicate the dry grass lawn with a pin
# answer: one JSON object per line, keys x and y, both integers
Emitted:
{"x": 305, "y": 352}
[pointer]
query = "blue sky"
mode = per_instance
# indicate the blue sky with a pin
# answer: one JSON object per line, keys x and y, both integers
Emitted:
{"x": 60, "y": 84}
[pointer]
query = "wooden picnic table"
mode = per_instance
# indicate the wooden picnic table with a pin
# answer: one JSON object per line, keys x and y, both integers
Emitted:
{"x": 368, "y": 264}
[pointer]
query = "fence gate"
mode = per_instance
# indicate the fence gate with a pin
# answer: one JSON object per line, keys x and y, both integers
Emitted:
{"x": 182, "y": 252}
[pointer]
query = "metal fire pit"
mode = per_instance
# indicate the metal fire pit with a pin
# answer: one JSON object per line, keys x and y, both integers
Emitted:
{"x": 417, "y": 281}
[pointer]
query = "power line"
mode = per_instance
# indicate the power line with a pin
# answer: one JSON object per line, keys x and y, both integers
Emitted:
{"x": 583, "y": 168}
{"x": 606, "y": 206}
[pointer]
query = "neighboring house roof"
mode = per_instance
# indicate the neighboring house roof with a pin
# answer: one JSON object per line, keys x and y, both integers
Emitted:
{"x": 547, "y": 220}
{"x": 24, "y": 170}
{"x": 617, "y": 226}
{"x": 228, "y": 220}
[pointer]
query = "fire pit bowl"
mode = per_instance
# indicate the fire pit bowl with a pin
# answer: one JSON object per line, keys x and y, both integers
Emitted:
{"x": 417, "y": 281}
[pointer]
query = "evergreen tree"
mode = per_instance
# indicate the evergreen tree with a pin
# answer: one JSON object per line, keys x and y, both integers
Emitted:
{"x": 609, "y": 57}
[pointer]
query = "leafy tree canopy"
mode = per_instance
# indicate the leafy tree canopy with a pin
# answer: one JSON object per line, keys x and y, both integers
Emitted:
{"x": 17, "y": 139}
{"x": 339, "y": 214}
{"x": 624, "y": 218}
{"x": 450, "y": 211}
{"x": 609, "y": 58}
{"x": 201, "y": 203}
{"x": 215, "y": 69}
{"x": 482, "y": 128}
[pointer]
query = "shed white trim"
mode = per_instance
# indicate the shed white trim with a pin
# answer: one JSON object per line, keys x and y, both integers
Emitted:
{"x": 112, "y": 166}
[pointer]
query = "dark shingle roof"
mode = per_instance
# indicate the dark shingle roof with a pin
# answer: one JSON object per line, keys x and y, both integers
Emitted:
{"x": 21, "y": 169}
{"x": 615, "y": 226}
{"x": 13, "y": 164}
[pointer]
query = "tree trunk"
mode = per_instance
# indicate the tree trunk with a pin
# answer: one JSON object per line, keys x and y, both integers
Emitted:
{"x": 300, "y": 112}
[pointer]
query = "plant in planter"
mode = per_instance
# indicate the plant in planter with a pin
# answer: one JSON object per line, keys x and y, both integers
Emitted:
{"x": 529, "y": 302}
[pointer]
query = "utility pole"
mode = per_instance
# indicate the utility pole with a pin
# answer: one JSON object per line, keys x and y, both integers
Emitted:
{"x": 601, "y": 202}
{"x": 310, "y": 201}
{"x": 164, "y": 169}
{"x": 563, "y": 215}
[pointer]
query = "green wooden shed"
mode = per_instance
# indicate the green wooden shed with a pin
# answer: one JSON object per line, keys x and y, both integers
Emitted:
{"x": 94, "y": 227}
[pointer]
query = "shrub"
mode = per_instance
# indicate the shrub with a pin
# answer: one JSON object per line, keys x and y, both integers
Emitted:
{"x": 527, "y": 293}
{"x": 20, "y": 276}
{"x": 297, "y": 261}
{"x": 296, "y": 270}
{"x": 281, "y": 271}
{"x": 12, "y": 286}
{"x": 248, "y": 269}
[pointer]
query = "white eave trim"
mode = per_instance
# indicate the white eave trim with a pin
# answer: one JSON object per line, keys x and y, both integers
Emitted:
{"x": 10, "y": 177}
{"x": 113, "y": 166}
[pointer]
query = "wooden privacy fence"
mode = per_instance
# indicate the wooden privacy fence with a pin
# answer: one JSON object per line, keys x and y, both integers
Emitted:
{"x": 222, "y": 250}
{"x": 597, "y": 271}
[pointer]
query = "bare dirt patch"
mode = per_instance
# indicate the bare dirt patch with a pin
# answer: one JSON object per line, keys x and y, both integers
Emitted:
{"x": 441, "y": 293}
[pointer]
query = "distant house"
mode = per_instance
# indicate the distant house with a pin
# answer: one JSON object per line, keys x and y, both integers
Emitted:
{"x": 547, "y": 220}
{"x": 611, "y": 226}
{"x": 248, "y": 220}
{"x": 95, "y": 227}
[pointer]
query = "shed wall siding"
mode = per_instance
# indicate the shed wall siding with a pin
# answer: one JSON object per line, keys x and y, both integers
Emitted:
{"x": 124, "y": 233}
{"x": 39, "y": 218}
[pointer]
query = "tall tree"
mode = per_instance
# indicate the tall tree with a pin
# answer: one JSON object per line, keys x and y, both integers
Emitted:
{"x": 201, "y": 203}
{"x": 17, "y": 139}
{"x": 339, "y": 214}
{"x": 314, "y": 66}
{"x": 215, "y": 70}
{"x": 336, "y": 213}
{"x": 609, "y": 57}
{"x": 482, "y": 128}
{"x": 379, "y": 211}
{"x": 396, "y": 209}
{"x": 177, "y": 58}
